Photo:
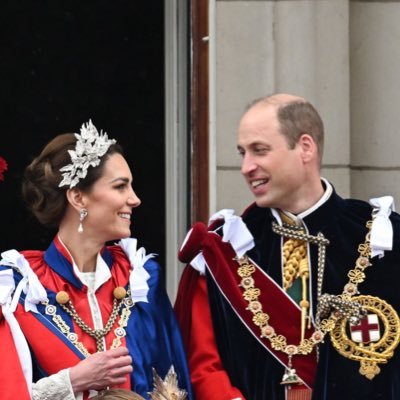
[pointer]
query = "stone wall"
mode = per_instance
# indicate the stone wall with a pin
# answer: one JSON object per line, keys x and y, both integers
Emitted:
{"x": 343, "y": 56}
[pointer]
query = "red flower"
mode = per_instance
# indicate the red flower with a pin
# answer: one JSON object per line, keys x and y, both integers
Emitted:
{"x": 3, "y": 167}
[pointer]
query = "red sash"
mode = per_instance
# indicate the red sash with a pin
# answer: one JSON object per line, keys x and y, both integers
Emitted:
{"x": 285, "y": 315}
{"x": 12, "y": 381}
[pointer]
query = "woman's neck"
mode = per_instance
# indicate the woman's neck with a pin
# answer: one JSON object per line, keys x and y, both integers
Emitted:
{"x": 83, "y": 250}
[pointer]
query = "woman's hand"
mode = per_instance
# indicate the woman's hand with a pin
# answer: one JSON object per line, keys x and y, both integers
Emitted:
{"x": 101, "y": 370}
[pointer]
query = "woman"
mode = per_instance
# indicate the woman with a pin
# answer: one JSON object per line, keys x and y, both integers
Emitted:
{"x": 81, "y": 317}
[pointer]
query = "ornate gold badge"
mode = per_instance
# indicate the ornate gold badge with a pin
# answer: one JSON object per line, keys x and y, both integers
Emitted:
{"x": 373, "y": 339}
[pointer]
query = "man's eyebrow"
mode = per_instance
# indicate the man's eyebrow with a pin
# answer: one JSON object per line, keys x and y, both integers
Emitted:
{"x": 253, "y": 144}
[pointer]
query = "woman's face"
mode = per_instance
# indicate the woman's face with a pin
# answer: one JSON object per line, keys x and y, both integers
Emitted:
{"x": 110, "y": 202}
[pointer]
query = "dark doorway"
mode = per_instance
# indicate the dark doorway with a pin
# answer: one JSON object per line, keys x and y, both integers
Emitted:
{"x": 62, "y": 63}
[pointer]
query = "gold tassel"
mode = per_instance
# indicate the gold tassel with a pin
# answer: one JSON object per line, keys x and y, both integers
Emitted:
{"x": 304, "y": 303}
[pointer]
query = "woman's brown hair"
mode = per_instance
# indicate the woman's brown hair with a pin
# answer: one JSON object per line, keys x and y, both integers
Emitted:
{"x": 40, "y": 189}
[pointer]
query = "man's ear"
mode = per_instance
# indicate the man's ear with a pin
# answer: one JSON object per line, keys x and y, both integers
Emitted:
{"x": 76, "y": 198}
{"x": 308, "y": 148}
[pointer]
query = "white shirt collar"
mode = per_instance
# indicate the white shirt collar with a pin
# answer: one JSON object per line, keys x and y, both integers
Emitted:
{"x": 298, "y": 219}
{"x": 102, "y": 272}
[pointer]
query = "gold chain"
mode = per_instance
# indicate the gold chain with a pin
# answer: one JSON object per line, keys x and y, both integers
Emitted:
{"x": 343, "y": 305}
{"x": 97, "y": 334}
{"x": 120, "y": 332}
{"x": 64, "y": 328}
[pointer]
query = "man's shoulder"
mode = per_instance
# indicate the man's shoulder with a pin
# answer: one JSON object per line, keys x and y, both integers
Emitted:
{"x": 359, "y": 210}
{"x": 356, "y": 205}
{"x": 364, "y": 207}
{"x": 257, "y": 219}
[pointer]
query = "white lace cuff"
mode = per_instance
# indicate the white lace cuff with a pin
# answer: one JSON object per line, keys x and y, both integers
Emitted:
{"x": 54, "y": 387}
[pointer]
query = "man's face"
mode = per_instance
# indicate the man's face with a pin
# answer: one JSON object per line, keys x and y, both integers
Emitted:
{"x": 273, "y": 171}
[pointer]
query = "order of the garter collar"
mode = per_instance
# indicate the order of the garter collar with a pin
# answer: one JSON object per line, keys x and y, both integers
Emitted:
{"x": 90, "y": 147}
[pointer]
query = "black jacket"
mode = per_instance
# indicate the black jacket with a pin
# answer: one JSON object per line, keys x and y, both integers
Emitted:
{"x": 250, "y": 367}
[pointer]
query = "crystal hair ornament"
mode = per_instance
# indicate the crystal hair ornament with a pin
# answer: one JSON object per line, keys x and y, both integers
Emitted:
{"x": 90, "y": 147}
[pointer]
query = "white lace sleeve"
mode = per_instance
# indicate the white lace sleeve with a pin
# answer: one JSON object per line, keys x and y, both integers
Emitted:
{"x": 54, "y": 387}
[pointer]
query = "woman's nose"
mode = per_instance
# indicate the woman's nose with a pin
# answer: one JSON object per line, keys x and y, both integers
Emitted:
{"x": 133, "y": 200}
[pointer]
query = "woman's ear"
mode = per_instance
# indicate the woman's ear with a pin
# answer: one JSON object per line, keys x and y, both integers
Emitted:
{"x": 308, "y": 147}
{"x": 76, "y": 198}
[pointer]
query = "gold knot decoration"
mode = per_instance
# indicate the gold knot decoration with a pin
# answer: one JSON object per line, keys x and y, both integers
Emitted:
{"x": 294, "y": 262}
{"x": 62, "y": 297}
{"x": 295, "y": 265}
{"x": 119, "y": 292}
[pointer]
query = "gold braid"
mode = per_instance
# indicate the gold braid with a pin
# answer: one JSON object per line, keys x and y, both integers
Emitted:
{"x": 295, "y": 265}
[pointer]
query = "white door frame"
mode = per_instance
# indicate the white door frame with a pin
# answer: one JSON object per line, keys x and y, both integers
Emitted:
{"x": 176, "y": 136}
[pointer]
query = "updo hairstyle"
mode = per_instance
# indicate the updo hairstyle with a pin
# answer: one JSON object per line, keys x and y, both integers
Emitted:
{"x": 40, "y": 190}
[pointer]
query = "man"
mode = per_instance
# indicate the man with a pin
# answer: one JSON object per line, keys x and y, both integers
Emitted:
{"x": 297, "y": 299}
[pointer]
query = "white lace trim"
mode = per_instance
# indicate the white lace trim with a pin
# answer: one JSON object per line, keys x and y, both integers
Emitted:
{"x": 55, "y": 387}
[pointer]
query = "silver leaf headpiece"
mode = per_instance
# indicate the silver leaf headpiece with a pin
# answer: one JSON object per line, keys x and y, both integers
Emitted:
{"x": 90, "y": 147}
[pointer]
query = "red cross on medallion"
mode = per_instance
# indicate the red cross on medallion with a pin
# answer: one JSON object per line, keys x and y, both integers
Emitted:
{"x": 364, "y": 326}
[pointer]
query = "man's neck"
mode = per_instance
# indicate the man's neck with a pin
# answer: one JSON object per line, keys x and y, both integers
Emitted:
{"x": 326, "y": 189}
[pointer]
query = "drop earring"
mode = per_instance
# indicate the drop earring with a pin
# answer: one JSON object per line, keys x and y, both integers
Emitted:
{"x": 83, "y": 212}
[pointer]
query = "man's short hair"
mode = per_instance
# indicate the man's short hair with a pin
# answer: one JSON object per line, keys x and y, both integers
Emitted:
{"x": 296, "y": 118}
